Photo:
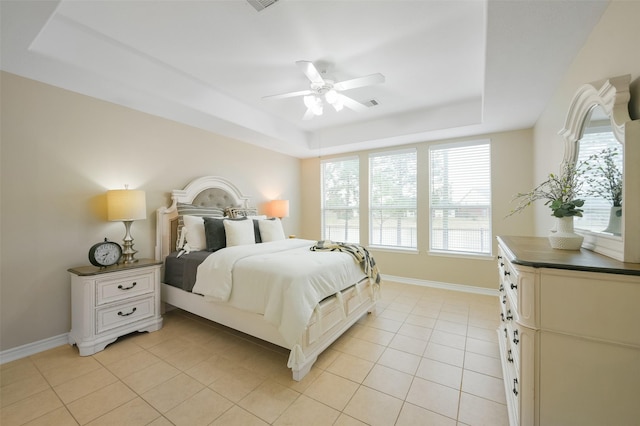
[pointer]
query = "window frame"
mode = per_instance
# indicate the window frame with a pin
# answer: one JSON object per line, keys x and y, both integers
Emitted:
{"x": 484, "y": 241}
{"x": 323, "y": 208}
{"x": 413, "y": 235}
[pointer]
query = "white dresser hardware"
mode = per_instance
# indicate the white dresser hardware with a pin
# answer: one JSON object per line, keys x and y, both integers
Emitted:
{"x": 107, "y": 303}
{"x": 569, "y": 335}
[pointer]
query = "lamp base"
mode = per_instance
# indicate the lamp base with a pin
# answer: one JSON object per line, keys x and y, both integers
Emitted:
{"x": 128, "y": 253}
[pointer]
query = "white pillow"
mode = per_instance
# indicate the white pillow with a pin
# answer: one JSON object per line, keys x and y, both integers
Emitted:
{"x": 271, "y": 230}
{"x": 195, "y": 236}
{"x": 239, "y": 232}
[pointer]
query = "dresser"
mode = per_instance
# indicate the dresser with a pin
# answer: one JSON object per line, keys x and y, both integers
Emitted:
{"x": 569, "y": 335}
{"x": 107, "y": 303}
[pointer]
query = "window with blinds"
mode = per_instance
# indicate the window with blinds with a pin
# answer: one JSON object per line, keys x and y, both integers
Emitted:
{"x": 393, "y": 199}
{"x": 460, "y": 198}
{"x": 341, "y": 199}
{"x": 596, "y": 209}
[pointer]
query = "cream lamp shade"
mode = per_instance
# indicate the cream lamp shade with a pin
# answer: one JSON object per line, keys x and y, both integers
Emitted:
{"x": 278, "y": 208}
{"x": 126, "y": 204}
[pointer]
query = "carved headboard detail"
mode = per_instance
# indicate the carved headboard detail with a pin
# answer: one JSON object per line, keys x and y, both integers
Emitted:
{"x": 207, "y": 191}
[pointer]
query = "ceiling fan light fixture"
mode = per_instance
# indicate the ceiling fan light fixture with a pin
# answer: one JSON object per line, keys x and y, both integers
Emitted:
{"x": 313, "y": 103}
{"x": 331, "y": 96}
{"x": 309, "y": 101}
{"x": 335, "y": 99}
{"x": 322, "y": 90}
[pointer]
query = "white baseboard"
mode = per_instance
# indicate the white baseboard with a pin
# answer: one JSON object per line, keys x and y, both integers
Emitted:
{"x": 445, "y": 286}
{"x": 33, "y": 348}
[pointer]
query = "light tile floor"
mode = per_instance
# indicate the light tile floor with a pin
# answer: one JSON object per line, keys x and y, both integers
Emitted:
{"x": 424, "y": 357}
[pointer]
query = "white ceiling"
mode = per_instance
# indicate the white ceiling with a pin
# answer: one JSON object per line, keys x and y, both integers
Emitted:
{"x": 453, "y": 68}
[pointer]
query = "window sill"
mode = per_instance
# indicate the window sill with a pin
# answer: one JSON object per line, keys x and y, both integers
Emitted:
{"x": 461, "y": 255}
{"x": 401, "y": 250}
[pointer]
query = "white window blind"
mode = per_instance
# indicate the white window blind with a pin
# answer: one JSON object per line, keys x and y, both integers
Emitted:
{"x": 596, "y": 209}
{"x": 392, "y": 199}
{"x": 460, "y": 198}
{"x": 341, "y": 199}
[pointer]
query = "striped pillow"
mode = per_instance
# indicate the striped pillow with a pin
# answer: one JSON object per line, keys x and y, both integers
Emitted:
{"x": 192, "y": 210}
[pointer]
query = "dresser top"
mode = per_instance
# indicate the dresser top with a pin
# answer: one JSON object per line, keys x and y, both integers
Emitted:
{"x": 536, "y": 252}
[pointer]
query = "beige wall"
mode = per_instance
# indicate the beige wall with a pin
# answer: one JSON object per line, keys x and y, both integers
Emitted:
{"x": 511, "y": 173}
{"x": 60, "y": 152}
{"x": 612, "y": 49}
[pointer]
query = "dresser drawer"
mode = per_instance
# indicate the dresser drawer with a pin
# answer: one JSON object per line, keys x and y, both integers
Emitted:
{"x": 510, "y": 372}
{"x": 123, "y": 287}
{"x": 512, "y": 383}
{"x": 113, "y": 316}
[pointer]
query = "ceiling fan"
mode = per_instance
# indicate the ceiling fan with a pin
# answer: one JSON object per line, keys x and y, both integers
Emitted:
{"x": 328, "y": 90}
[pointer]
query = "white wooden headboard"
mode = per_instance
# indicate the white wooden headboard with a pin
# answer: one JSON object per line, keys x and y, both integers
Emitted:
{"x": 210, "y": 191}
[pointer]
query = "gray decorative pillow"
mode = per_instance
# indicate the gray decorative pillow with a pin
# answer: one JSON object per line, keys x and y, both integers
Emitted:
{"x": 215, "y": 233}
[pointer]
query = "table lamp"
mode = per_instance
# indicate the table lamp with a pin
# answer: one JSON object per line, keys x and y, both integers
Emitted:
{"x": 278, "y": 208}
{"x": 126, "y": 205}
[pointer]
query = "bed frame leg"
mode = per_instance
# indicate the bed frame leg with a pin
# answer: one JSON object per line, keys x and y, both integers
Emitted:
{"x": 303, "y": 370}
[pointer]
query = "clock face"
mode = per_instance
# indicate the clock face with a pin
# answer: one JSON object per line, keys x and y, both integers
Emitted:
{"x": 105, "y": 254}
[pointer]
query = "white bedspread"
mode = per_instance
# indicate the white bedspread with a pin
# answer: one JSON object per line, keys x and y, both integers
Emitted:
{"x": 285, "y": 277}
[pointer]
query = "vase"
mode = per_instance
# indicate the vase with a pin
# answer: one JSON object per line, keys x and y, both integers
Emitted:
{"x": 564, "y": 238}
{"x": 615, "y": 221}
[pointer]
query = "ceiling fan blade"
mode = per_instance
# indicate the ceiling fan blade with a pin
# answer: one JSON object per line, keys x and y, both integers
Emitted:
{"x": 310, "y": 71}
{"x": 289, "y": 95}
{"x": 351, "y": 104}
{"x": 308, "y": 115}
{"x": 368, "y": 80}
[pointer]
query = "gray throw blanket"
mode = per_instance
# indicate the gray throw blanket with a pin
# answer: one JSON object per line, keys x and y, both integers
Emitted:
{"x": 360, "y": 254}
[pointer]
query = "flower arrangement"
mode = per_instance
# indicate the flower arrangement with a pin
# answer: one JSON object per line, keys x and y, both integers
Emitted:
{"x": 606, "y": 179}
{"x": 559, "y": 190}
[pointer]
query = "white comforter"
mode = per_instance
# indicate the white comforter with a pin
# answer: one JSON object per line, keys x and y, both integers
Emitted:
{"x": 286, "y": 279}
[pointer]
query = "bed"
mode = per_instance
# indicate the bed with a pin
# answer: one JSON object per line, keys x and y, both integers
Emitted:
{"x": 305, "y": 323}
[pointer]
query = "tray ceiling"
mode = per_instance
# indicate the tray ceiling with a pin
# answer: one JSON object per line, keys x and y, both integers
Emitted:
{"x": 452, "y": 68}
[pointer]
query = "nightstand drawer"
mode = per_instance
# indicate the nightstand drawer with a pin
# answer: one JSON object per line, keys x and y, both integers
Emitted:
{"x": 123, "y": 287}
{"x": 111, "y": 317}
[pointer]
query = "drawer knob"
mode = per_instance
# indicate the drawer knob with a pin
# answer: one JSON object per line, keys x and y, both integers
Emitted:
{"x": 514, "y": 286}
{"x": 509, "y": 356}
{"x": 127, "y": 314}
{"x": 515, "y": 387}
{"x": 499, "y": 257}
{"x": 515, "y": 337}
{"x": 502, "y": 316}
{"x": 507, "y": 273}
{"x": 501, "y": 264}
{"x": 501, "y": 288}
{"x": 132, "y": 286}
{"x": 509, "y": 315}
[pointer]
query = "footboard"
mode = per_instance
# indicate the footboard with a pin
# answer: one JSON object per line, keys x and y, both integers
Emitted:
{"x": 330, "y": 320}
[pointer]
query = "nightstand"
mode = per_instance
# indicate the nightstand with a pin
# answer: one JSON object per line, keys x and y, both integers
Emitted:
{"x": 107, "y": 303}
